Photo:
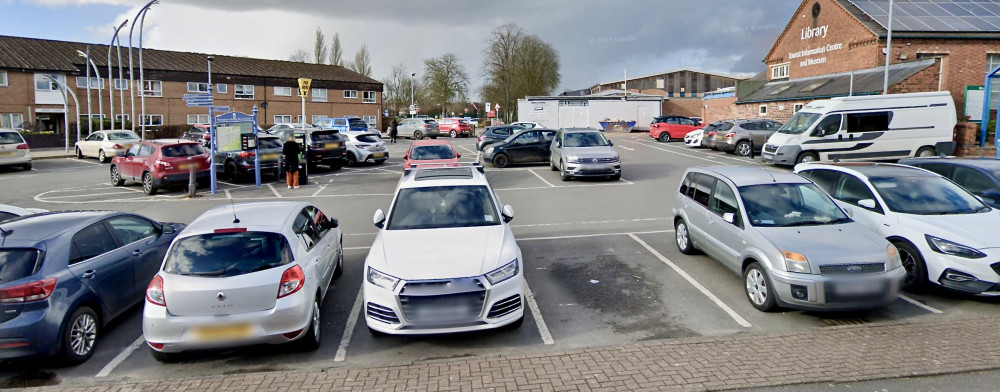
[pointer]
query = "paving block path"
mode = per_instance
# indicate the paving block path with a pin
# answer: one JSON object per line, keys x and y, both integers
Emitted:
{"x": 833, "y": 354}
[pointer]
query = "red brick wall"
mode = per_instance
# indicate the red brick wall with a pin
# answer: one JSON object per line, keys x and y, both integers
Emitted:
{"x": 687, "y": 107}
{"x": 967, "y": 140}
{"x": 718, "y": 109}
{"x": 924, "y": 80}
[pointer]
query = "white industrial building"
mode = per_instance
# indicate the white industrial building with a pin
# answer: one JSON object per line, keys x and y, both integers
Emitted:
{"x": 590, "y": 110}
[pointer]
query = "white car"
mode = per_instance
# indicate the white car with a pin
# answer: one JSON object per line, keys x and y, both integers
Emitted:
{"x": 14, "y": 150}
{"x": 693, "y": 138}
{"x": 244, "y": 274}
{"x": 444, "y": 259}
{"x": 8, "y": 212}
{"x": 364, "y": 146}
{"x": 527, "y": 125}
{"x": 945, "y": 235}
{"x": 105, "y": 144}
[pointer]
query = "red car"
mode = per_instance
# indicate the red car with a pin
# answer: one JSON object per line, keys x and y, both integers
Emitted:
{"x": 665, "y": 128}
{"x": 430, "y": 151}
{"x": 159, "y": 163}
{"x": 455, "y": 127}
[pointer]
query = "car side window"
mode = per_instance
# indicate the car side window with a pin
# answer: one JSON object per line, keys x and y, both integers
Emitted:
{"x": 672, "y": 120}
{"x": 90, "y": 242}
{"x": 724, "y": 201}
{"x": 703, "y": 189}
{"x": 145, "y": 150}
{"x": 134, "y": 150}
{"x": 528, "y": 138}
{"x": 850, "y": 190}
{"x": 830, "y": 125}
{"x": 973, "y": 180}
{"x": 687, "y": 121}
{"x": 942, "y": 169}
{"x": 824, "y": 179}
{"x": 319, "y": 221}
{"x": 686, "y": 183}
{"x": 93, "y": 137}
{"x": 548, "y": 135}
{"x": 131, "y": 229}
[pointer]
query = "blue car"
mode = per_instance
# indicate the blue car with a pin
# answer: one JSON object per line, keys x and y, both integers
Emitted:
{"x": 342, "y": 124}
{"x": 980, "y": 176}
{"x": 65, "y": 275}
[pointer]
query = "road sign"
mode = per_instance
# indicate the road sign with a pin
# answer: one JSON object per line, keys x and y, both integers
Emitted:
{"x": 191, "y": 97}
{"x": 304, "y": 87}
{"x": 413, "y": 112}
{"x": 492, "y": 114}
{"x": 199, "y": 104}
{"x": 221, "y": 108}
{"x": 385, "y": 113}
{"x": 498, "y": 106}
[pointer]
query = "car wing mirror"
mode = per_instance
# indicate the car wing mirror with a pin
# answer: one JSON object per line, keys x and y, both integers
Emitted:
{"x": 333, "y": 223}
{"x": 611, "y": 143}
{"x": 729, "y": 217}
{"x": 458, "y": 155}
{"x": 379, "y": 218}
{"x": 867, "y": 203}
{"x": 166, "y": 228}
{"x": 507, "y": 213}
{"x": 406, "y": 156}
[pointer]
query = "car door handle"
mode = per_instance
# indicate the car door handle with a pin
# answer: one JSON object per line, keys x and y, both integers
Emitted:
{"x": 137, "y": 252}
{"x": 89, "y": 274}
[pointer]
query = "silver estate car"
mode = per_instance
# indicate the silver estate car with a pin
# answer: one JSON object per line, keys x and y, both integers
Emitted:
{"x": 791, "y": 243}
{"x": 584, "y": 152}
{"x": 260, "y": 277}
{"x": 418, "y": 128}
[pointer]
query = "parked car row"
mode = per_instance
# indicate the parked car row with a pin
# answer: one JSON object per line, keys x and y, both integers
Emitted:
{"x": 573, "y": 152}
{"x": 741, "y": 137}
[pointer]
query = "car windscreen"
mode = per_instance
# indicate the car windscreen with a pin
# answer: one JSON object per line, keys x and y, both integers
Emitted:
{"x": 585, "y": 139}
{"x": 799, "y": 123}
{"x": 122, "y": 135}
{"x": 368, "y": 138}
{"x": 430, "y": 122}
{"x": 442, "y": 207}
{"x": 783, "y": 205}
{"x": 227, "y": 254}
{"x": 926, "y": 195}
{"x": 183, "y": 150}
{"x": 658, "y": 120}
{"x": 10, "y": 138}
{"x": 18, "y": 263}
{"x": 269, "y": 142}
{"x": 432, "y": 152}
{"x": 325, "y": 136}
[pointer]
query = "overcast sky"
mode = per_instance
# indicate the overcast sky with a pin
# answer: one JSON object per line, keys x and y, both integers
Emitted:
{"x": 596, "y": 39}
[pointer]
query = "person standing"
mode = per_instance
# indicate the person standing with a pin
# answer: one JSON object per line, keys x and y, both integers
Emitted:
{"x": 291, "y": 152}
{"x": 392, "y": 131}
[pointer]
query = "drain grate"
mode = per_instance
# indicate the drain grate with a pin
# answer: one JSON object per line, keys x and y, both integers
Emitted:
{"x": 836, "y": 322}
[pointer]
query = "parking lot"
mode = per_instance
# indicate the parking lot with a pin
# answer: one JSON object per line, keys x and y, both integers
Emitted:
{"x": 601, "y": 266}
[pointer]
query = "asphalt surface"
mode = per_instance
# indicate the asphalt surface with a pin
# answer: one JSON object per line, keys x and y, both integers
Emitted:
{"x": 600, "y": 260}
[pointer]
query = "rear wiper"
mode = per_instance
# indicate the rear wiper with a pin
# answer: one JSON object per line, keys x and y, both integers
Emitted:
{"x": 207, "y": 273}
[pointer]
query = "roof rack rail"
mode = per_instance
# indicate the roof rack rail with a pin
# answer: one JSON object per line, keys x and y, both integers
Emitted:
{"x": 423, "y": 166}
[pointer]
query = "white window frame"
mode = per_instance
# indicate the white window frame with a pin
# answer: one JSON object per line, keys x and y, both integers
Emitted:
{"x": 152, "y": 88}
{"x": 7, "y": 120}
{"x": 283, "y": 119}
{"x": 351, "y": 94}
{"x": 779, "y": 71}
{"x": 95, "y": 82}
{"x": 240, "y": 91}
{"x": 221, "y": 88}
{"x": 52, "y": 85}
{"x": 198, "y": 119}
{"x": 365, "y": 97}
{"x": 317, "y": 118}
{"x": 4, "y": 81}
{"x": 121, "y": 117}
{"x": 797, "y": 107}
{"x": 762, "y": 110}
{"x": 280, "y": 91}
{"x": 148, "y": 120}
{"x": 371, "y": 120}
{"x": 119, "y": 83}
{"x": 197, "y": 87}
{"x": 298, "y": 119}
{"x": 319, "y": 95}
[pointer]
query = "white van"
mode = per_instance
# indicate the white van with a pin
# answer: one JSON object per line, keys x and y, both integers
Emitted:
{"x": 867, "y": 127}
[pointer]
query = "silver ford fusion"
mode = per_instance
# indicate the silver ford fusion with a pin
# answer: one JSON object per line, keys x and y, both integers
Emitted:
{"x": 584, "y": 152}
{"x": 258, "y": 278}
{"x": 793, "y": 246}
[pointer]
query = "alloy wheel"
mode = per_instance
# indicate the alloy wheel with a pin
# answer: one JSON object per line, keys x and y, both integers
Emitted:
{"x": 756, "y": 287}
{"x": 682, "y": 236}
{"x": 83, "y": 334}
{"x": 909, "y": 264}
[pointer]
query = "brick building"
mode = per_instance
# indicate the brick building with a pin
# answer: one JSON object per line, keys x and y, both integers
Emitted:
{"x": 29, "y": 100}
{"x": 834, "y": 48}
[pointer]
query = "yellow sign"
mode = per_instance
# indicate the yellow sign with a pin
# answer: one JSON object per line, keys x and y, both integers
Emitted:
{"x": 304, "y": 87}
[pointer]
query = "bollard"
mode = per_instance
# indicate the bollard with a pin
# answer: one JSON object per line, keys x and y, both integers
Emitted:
{"x": 750, "y": 155}
{"x": 192, "y": 182}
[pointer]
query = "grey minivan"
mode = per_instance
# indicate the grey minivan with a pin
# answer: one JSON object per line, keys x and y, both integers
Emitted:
{"x": 793, "y": 246}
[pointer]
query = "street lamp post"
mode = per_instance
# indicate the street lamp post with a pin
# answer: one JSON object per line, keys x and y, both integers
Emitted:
{"x": 100, "y": 103}
{"x": 141, "y": 15}
{"x": 888, "y": 52}
{"x": 411, "y": 92}
{"x": 211, "y": 128}
{"x": 111, "y": 75}
{"x": 90, "y": 108}
{"x": 64, "y": 88}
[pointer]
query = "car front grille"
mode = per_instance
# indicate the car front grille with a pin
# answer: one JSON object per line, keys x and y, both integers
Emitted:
{"x": 845, "y": 269}
{"x": 505, "y": 306}
{"x": 598, "y": 160}
{"x": 770, "y": 148}
{"x": 439, "y": 302}
{"x": 382, "y": 313}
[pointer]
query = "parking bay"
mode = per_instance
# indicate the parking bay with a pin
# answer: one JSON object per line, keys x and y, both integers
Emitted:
{"x": 594, "y": 259}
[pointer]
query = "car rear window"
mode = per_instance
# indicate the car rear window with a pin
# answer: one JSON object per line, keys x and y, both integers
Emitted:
{"x": 369, "y": 138}
{"x": 18, "y": 264}
{"x": 657, "y": 120}
{"x": 462, "y": 122}
{"x": 122, "y": 135}
{"x": 357, "y": 122}
{"x": 183, "y": 150}
{"x": 432, "y": 122}
{"x": 10, "y": 138}
{"x": 227, "y": 254}
{"x": 269, "y": 142}
{"x": 724, "y": 127}
{"x": 432, "y": 152}
{"x": 325, "y": 136}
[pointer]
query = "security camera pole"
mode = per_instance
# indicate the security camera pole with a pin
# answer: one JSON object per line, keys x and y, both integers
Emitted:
{"x": 304, "y": 85}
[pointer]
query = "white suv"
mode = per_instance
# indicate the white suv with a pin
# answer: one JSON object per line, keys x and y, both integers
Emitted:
{"x": 444, "y": 259}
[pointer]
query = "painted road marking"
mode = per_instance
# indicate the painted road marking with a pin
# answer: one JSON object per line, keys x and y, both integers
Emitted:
{"x": 920, "y": 305}
{"x": 564, "y": 237}
{"x": 540, "y": 178}
{"x": 722, "y": 305}
{"x": 228, "y": 195}
{"x": 352, "y": 320}
{"x": 321, "y": 188}
{"x": 672, "y": 151}
{"x": 121, "y": 357}
{"x": 82, "y": 161}
{"x": 591, "y": 222}
{"x": 537, "y": 314}
{"x": 275, "y": 191}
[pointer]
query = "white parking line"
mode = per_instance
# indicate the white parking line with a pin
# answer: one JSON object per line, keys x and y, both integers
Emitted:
{"x": 321, "y": 188}
{"x": 920, "y": 305}
{"x": 357, "y": 248}
{"x": 722, "y": 305}
{"x": 121, "y": 357}
{"x": 352, "y": 320}
{"x": 537, "y": 315}
{"x": 275, "y": 191}
{"x": 82, "y": 161}
{"x": 591, "y": 222}
{"x": 228, "y": 195}
{"x": 672, "y": 151}
{"x": 540, "y": 178}
{"x": 565, "y": 237}
{"x": 89, "y": 194}
{"x": 626, "y": 148}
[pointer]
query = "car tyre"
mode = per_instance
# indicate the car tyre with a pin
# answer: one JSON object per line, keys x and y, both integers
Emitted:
{"x": 163, "y": 357}
{"x": 102, "y": 157}
{"x": 116, "y": 177}
{"x": 453, "y": 134}
{"x": 562, "y": 173}
{"x": 80, "y": 336}
{"x": 232, "y": 175}
{"x": 501, "y": 161}
{"x": 664, "y": 137}
{"x": 553, "y": 166}
{"x": 742, "y": 148}
{"x": 758, "y": 288}
{"x": 683, "y": 238}
{"x": 336, "y": 165}
{"x": 913, "y": 263}
{"x": 417, "y": 135}
{"x": 433, "y": 137}
{"x": 351, "y": 159}
{"x": 26, "y": 166}
{"x": 926, "y": 152}
{"x": 313, "y": 337}
{"x": 806, "y": 157}
{"x": 380, "y": 161}
{"x": 147, "y": 184}
{"x": 79, "y": 154}
{"x": 340, "y": 263}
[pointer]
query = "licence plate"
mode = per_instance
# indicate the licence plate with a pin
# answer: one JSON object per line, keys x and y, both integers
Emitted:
{"x": 857, "y": 288}
{"x": 332, "y": 145}
{"x": 187, "y": 166}
{"x": 268, "y": 157}
{"x": 222, "y": 332}
{"x": 380, "y": 154}
{"x": 7, "y": 154}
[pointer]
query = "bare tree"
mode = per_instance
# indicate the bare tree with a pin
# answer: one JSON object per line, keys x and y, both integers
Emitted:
{"x": 517, "y": 64}
{"x": 395, "y": 96}
{"x": 336, "y": 52}
{"x": 300, "y": 56}
{"x": 537, "y": 68}
{"x": 445, "y": 79}
{"x": 319, "y": 50}
{"x": 362, "y": 63}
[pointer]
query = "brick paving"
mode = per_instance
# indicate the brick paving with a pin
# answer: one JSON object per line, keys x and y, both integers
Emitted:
{"x": 833, "y": 354}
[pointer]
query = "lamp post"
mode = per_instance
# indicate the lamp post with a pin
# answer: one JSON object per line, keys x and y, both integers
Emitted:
{"x": 90, "y": 109}
{"x": 141, "y": 15}
{"x": 100, "y": 103}
{"x": 888, "y": 52}
{"x": 411, "y": 92}
{"x": 211, "y": 127}
{"x": 111, "y": 89}
{"x": 64, "y": 88}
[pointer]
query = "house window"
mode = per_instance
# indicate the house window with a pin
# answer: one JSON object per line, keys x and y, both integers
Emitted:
{"x": 283, "y": 119}
{"x": 221, "y": 88}
{"x": 368, "y": 97}
{"x": 371, "y": 120}
{"x": 121, "y": 84}
{"x": 319, "y": 94}
{"x": 779, "y": 71}
{"x": 283, "y": 91}
{"x": 317, "y": 118}
{"x": 121, "y": 117}
{"x": 298, "y": 119}
{"x": 195, "y": 87}
{"x": 3, "y": 78}
{"x": 796, "y": 108}
{"x": 243, "y": 91}
{"x": 12, "y": 120}
{"x": 659, "y": 83}
{"x": 197, "y": 119}
{"x": 81, "y": 82}
{"x": 762, "y": 110}
{"x": 152, "y": 88}
{"x": 152, "y": 120}
{"x": 42, "y": 83}
{"x": 351, "y": 94}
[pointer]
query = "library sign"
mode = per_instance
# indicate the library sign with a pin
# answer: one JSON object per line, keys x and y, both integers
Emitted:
{"x": 811, "y": 56}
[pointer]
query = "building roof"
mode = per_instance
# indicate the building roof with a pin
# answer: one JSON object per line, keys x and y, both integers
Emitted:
{"x": 866, "y": 81}
{"x": 30, "y": 54}
{"x": 734, "y": 77}
{"x": 928, "y": 18}
{"x": 603, "y": 95}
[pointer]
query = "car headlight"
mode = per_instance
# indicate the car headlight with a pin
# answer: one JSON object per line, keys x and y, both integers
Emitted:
{"x": 616, "y": 159}
{"x": 489, "y": 150}
{"x": 503, "y": 273}
{"x": 572, "y": 159}
{"x": 381, "y": 279}
{"x": 951, "y": 248}
{"x": 796, "y": 262}
{"x": 894, "y": 260}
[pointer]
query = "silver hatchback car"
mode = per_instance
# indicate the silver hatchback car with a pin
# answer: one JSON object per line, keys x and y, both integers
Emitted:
{"x": 584, "y": 152}
{"x": 792, "y": 244}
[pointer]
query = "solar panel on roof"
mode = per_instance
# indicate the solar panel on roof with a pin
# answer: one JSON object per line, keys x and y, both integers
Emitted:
{"x": 935, "y": 15}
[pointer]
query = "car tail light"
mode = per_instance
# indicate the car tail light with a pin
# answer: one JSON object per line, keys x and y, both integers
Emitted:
{"x": 729, "y": 135}
{"x": 291, "y": 281}
{"x": 154, "y": 292}
{"x": 34, "y": 291}
{"x": 155, "y": 346}
{"x": 710, "y": 134}
{"x": 247, "y": 154}
{"x": 163, "y": 163}
{"x": 364, "y": 146}
{"x": 292, "y": 335}
{"x": 22, "y": 146}
{"x": 118, "y": 146}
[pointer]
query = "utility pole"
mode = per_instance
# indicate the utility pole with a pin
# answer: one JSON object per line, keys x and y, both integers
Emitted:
{"x": 888, "y": 52}
{"x": 90, "y": 109}
{"x": 411, "y": 92}
{"x": 64, "y": 88}
{"x": 141, "y": 14}
{"x": 213, "y": 146}
{"x": 112, "y": 86}
{"x": 100, "y": 87}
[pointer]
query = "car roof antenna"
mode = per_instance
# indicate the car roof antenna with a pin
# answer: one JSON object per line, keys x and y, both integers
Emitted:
{"x": 235, "y": 219}
{"x": 775, "y": 180}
